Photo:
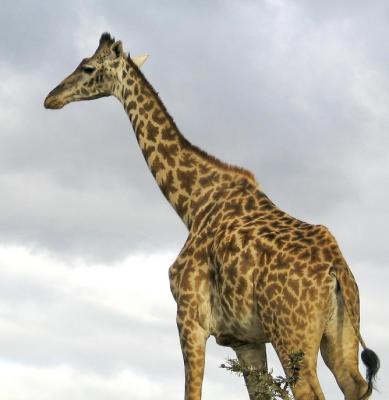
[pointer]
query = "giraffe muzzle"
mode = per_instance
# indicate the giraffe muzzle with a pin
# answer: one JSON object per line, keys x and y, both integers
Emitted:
{"x": 53, "y": 100}
{"x": 52, "y": 103}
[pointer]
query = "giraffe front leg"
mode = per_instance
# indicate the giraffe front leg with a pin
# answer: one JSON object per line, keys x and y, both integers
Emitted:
{"x": 193, "y": 339}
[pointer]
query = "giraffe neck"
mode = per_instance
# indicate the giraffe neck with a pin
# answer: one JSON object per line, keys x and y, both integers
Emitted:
{"x": 183, "y": 172}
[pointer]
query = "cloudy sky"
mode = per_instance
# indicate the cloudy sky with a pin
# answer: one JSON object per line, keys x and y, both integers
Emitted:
{"x": 296, "y": 91}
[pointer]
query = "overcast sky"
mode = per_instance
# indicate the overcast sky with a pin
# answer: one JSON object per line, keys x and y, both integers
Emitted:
{"x": 296, "y": 91}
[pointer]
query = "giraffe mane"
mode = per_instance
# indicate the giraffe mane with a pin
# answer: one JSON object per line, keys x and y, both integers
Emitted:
{"x": 106, "y": 38}
{"x": 184, "y": 141}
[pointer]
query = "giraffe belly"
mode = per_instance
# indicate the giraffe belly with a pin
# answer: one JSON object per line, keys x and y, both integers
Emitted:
{"x": 232, "y": 332}
{"x": 236, "y": 322}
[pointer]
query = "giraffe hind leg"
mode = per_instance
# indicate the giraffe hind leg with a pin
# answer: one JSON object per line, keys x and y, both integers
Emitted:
{"x": 339, "y": 349}
{"x": 307, "y": 386}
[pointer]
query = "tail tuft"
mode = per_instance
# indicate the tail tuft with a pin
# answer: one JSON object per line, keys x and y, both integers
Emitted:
{"x": 372, "y": 363}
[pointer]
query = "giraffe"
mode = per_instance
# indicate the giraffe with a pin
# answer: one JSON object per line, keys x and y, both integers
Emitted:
{"x": 248, "y": 273}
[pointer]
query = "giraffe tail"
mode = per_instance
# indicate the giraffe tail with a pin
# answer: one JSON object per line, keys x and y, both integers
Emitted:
{"x": 350, "y": 294}
{"x": 372, "y": 363}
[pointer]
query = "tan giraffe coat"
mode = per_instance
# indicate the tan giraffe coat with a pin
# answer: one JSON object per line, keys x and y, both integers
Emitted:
{"x": 249, "y": 273}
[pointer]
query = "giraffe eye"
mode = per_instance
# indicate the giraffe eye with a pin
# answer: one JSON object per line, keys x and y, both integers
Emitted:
{"x": 88, "y": 69}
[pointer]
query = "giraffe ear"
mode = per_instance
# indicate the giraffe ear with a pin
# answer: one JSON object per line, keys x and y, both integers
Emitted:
{"x": 140, "y": 60}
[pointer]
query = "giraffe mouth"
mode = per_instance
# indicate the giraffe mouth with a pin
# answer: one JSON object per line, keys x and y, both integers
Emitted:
{"x": 53, "y": 103}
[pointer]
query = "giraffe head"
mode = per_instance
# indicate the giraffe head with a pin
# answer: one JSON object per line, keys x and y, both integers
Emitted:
{"x": 95, "y": 76}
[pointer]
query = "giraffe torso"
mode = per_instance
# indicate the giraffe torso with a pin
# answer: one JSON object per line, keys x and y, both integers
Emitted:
{"x": 248, "y": 266}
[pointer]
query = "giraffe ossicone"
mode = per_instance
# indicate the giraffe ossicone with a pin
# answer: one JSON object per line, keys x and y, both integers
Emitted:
{"x": 249, "y": 273}
{"x": 140, "y": 60}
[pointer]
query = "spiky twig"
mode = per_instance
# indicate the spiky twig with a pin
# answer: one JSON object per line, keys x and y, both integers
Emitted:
{"x": 265, "y": 385}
